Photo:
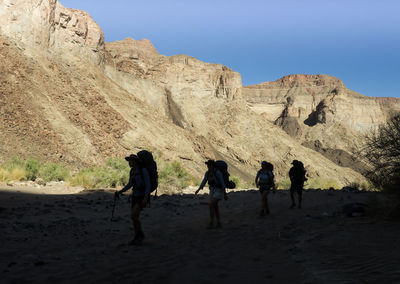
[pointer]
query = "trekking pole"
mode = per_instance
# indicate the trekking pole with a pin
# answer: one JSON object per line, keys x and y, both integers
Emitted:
{"x": 116, "y": 197}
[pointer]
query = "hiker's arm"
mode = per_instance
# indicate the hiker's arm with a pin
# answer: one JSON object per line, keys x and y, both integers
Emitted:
{"x": 128, "y": 185}
{"x": 273, "y": 184}
{"x": 203, "y": 183}
{"x": 291, "y": 175}
{"x": 256, "y": 180}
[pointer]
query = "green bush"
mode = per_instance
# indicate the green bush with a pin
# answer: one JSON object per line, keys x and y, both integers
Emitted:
{"x": 321, "y": 183}
{"x": 14, "y": 163}
{"x": 362, "y": 186}
{"x": 283, "y": 184}
{"x": 32, "y": 168}
{"x": 17, "y": 169}
{"x": 173, "y": 174}
{"x": 114, "y": 173}
{"x": 237, "y": 180}
{"x": 311, "y": 183}
{"x": 53, "y": 172}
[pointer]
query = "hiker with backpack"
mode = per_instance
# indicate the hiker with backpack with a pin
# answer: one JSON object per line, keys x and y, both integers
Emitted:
{"x": 216, "y": 184}
{"x": 265, "y": 182}
{"x": 142, "y": 180}
{"x": 297, "y": 175}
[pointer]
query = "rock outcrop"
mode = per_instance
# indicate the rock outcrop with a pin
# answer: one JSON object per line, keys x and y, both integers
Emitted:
{"x": 46, "y": 26}
{"x": 321, "y": 112}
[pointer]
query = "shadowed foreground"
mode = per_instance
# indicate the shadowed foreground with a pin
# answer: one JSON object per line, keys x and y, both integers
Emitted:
{"x": 70, "y": 239}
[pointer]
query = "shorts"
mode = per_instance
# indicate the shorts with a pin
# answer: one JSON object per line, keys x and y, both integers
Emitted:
{"x": 264, "y": 188}
{"x": 136, "y": 200}
{"x": 216, "y": 193}
{"x": 296, "y": 188}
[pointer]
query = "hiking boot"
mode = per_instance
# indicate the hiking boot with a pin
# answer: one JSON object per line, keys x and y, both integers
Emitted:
{"x": 138, "y": 239}
{"x": 140, "y": 236}
{"x": 135, "y": 242}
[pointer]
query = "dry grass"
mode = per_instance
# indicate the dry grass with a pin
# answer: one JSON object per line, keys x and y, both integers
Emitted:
{"x": 16, "y": 174}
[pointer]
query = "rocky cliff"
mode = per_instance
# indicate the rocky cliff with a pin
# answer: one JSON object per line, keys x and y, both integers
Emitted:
{"x": 321, "y": 112}
{"x": 45, "y": 26}
{"x": 67, "y": 96}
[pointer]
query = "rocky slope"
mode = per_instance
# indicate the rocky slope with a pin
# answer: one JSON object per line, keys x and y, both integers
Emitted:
{"x": 67, "y": 96}
{"x": 322, "y": 113}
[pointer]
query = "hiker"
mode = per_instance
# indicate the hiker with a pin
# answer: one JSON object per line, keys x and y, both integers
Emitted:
{"x": 265, "y": 182}
{"x": 139, "y": 181}
{"x": 216, "y": 185}
{"x": 297, "y": 175}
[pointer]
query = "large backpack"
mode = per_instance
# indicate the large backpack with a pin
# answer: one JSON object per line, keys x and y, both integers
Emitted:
{"x": 266, "y": 179}
{"x": 298, "y": 175}
{"x": 222, "y": 166}
{"x": 147, "y": 160}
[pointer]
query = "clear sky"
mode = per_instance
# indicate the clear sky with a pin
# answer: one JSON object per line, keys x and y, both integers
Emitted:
{"x": 357, "y": 41}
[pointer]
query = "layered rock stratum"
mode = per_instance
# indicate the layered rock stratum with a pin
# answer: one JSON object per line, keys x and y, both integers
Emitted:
{"x": 68, "y": 96}
{"x": 321, "y": 113}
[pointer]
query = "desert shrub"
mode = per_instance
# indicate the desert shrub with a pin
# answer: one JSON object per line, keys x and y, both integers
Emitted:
{"x": 12, "y": 170}
{"x": 17, "y": 169}
{"x": 32, "y": 168}
{"x": 362, "y": 186}
{"x": 15, "y": 174}
{"x": 14, "y": 162}
{"x": 237, "y": 180}
{"x": 88, "y": 178}
{"x": 310, "y": 183}
{"x": 322, "y": 183}
{"x": 53, "y": 172}
{"x": 382, "y": 150}
{"x": 283, "y": 184}
{"x": 173, "y": 174}
{"x": 114, "y": 173}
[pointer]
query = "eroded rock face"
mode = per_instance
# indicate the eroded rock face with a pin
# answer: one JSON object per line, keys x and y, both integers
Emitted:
{"x": 45, "y": 25}
{"x": 316, "y": 99}
{"x": 319, "y": 108}
{"x": 178, "y": 86}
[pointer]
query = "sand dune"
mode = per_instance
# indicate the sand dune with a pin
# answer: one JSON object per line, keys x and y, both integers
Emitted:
{"x": 68, "y": 238}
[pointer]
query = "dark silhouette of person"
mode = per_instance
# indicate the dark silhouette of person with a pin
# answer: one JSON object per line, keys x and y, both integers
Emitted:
{"x": 297, "y": 175}
{"x": 217, "y": 191}
{"x": 139, "y": 181}
{"x": 265, "y": 182}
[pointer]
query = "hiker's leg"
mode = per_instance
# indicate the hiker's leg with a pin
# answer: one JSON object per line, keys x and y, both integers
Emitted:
{"x": 262, "y": 203}
{"x": 137, "y": 227}
{"x": 212, "y": 211}
{"x": 300, "y": 193}
{"x": 265, "y": 201}
{"x": 292, "y": 198}
{"x": 217, "y": 213}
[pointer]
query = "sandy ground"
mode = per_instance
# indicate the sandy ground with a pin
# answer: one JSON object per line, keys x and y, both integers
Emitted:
{"x": 61, "y": 235}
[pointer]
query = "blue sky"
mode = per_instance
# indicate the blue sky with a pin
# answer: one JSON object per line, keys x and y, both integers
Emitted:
{"x": 357, "y": 41}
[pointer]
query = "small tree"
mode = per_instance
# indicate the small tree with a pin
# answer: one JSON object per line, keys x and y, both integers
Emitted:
{"x": 382, "y": 150}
